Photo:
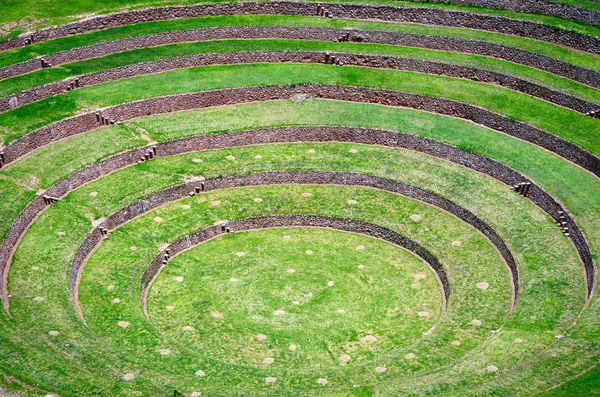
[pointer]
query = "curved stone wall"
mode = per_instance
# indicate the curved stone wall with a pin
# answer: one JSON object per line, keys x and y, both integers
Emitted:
{"x": 298, "y": 57}
{"x": 292, "y": 134}
{"x": 538, "y": 61}
{"x": 278, "y": 221}
{"x": 429, "y": 16}
{"x": 546, "y": 7}
{"x": 90, "y": 121}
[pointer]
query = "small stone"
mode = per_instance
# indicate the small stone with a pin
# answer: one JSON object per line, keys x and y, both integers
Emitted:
{"x": 257, "y": 200}
{"x": 322, "y": 381}
{"x": 410, "y": 356}
{"x": 483, "y": 285}
{"x": 53, "y": 333}
{"x": 311, "y": 151}
{"x": 35, "y": 268}
{"x": 352, "y": 202}
{"x": 360, "y": 247}
{"x": 296, "y": 302}
{"x": 456, "y": 243}
{"x": 215, "y": 203}
{"x": 292, "y": 348}
{"x": 240, "y": 254}
{"x": 291, "y": 271}
{"x": 344, "y": 358}
{"x": 129, "y": 377}
{"x": 61, "y": 234}
{"x": 306, "y": 194}
{"x": 233, "y": 280}
{"x": 423, "y": 314}
{"x": 268, "y": 361}
{"x": 195, "y": 394}
{"x": 492, "y": 368}
{"x": 419, "y": 276}
{"x": 179, "y": 279}
{"x": 455, "y": 343}
{"x": 132, "y": 248}
{"x": 216, "y": 315}
{"x": 230, "y": 158}
{"x": 330, "y": 283}
{"x": 170, "y": 308}
{"x": 309, "y": 252}
{"x": 476, "y": 322}
{"x": 188, "y": 328}
{"x": 415, "y": 217}
{"x": 38, "y": 299}
{"x": 200, "y": 373}
{"x": 123, "y": 324}
{"x": 353, "y": 151}
{"x": 164, "y": 352}
{"x": 115, "y": 301}
{"x": 261, "y": 337}
{"x": 361, "y": 266}
{"x": 196, "y": 161}
{"x": 342, "y": 311}
{"x": 158, "y": 219}
{"x": 518, "y": 340}
{"x": 380, "y": 370}
{"x": 270, "y": 380}
{"x": 186, "y": 207}
{"x": 368, "y": 338}
{"x": 279, "y": 312}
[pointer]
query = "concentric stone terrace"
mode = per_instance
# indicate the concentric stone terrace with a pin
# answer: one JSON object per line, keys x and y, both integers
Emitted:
{"x": 343, "y": 198}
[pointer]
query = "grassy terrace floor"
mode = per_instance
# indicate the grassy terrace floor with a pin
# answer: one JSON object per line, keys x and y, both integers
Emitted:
{"x": 568, "y": 124}
{"x": 296, "y": 310}
{"x": 38, "y": 78}
{"x": 106, "y": 194}
{"x": 217, "y": 119}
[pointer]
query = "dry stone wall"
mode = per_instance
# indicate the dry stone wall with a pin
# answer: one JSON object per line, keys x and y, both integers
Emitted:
{"x": 299, "y": 57}
{"x": 278, "y": 221}
{"x": 429, "y": 16}
{"x": 546, "y": 7}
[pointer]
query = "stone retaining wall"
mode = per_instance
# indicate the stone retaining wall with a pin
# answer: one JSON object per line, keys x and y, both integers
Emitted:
{"x": 546, "y": 7}
{"x": 298, "y": 57}
{"x": 538, "y": 61}
{"x": 476, "y": 162}
{"x": 90, "y": 121}
{"x": 429, "y": 16}
{"x": 278, "y": 221}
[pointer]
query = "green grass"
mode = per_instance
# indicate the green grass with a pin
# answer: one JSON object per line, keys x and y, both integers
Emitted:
{"x": 74, "y": 214}
{"x": 568, "y": 124}
{"x": 247, "y": 290}
{"x": 578, "y": 58}
{"x": 168, "y": 126}
{"x": 44, "y": 76}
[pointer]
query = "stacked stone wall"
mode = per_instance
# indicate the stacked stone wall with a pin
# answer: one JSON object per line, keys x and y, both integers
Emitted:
{"x": 299, "y": 57}
{"x": 429, "y": 16}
